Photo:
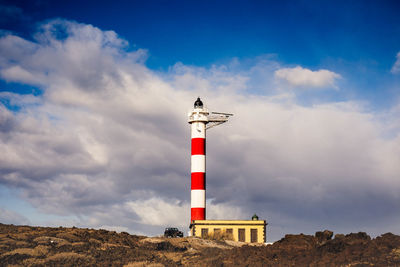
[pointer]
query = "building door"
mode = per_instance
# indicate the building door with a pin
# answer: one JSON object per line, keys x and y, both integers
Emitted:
{"x": 204, "y": 233}
{"x": 242, "y": 236}
{"x": 253, "y": 236}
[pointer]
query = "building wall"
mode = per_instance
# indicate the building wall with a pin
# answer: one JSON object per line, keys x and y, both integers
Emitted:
{"x": 197, "y": 227}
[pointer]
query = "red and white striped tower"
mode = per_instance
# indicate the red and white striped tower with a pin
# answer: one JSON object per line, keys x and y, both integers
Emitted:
{"x": 199, "y": 117}
{"x": 198, "y": 120}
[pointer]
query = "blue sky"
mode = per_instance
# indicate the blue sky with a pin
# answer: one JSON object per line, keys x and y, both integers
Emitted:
{"x": 314, "y": 86}
{"x": 359, "y": 38}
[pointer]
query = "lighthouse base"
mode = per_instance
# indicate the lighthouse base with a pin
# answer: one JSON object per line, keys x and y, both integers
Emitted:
{"x": 249, "y": 231}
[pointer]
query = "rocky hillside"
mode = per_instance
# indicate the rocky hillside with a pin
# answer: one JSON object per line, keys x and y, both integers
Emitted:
{"x": 43, "y": 246}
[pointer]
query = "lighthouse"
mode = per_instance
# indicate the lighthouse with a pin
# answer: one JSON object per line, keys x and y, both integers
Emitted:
{"x": 250, "y": 231}
{"x": 200, "y": 120}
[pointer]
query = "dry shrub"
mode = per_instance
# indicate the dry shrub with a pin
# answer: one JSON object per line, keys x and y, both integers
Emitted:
{"x": 41, "y": 250}
{"x": 8, "y": 241}
{"x": 70, "y": 259}
{"x": 395, "y": 253}
{"x": 60, "y": 259}
{"x": 22, "y": 251}
{"x": 69, "y": 237}
{"x": 34, "y": 262}
{"x": 50, "y": 240}
{"x": 94, "y": 241}
{"x": 3, "y": 235}
{"x": 220, "y": 235}
{"x": 43, "y": 239}
{"x": 21, "y": 236}
{"x": 106, "y": 246}
{"x": 21, "y": 229}
{"x": 66, "y": 255}
{"x": 33, "y": 252}
{"x": 21, "y": 244}
{"x": 143, "y": 264}
{"x": 78, "y": 244}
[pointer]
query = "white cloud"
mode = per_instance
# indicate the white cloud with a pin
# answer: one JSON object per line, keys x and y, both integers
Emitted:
{"x": 155, "y": 211}
{"x": 303, "y": 77}
{"x": 108, "y": 141}
{"x": 18, "y": 74}
{"x": 396, "y": 66}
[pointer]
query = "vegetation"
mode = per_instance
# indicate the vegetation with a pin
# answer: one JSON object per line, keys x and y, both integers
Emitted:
{"x": 44, "y": 246}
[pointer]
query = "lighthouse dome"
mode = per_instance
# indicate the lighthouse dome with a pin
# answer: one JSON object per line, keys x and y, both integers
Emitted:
{"x": 198, "y": 103}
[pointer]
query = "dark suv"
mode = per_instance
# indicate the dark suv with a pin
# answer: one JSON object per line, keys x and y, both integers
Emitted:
{"x": 172, "y": 232}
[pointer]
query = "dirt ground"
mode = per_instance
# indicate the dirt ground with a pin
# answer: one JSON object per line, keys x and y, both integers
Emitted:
{"x": 44, "y": 246}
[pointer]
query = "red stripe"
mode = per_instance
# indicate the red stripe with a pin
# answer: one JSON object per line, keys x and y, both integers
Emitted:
{"x": 198, "y": 180}
{"x": 198, "y": 146}
{"x": 198, "y": 214}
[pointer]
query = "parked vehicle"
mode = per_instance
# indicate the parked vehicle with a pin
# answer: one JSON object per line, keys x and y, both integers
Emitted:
{"x": 172, "y": 232}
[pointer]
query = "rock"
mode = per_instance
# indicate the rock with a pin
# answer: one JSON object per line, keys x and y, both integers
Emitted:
{"x": 339, "y": 236}
{"x": 324, "y": 236}
{"x": 359, "y": 235}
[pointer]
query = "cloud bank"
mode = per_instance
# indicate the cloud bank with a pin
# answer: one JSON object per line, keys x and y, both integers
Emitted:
{"x": 108, "y": 141}
{"x": 11, "y": 217}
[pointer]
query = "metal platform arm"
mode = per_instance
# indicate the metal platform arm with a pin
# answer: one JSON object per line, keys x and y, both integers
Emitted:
{"x": 217, "y": 118}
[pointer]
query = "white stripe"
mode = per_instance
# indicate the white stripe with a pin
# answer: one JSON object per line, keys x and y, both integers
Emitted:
{"x": 198, "y": 198}
{"x": 198, "y": 163}
{"x": 198, "y": 130}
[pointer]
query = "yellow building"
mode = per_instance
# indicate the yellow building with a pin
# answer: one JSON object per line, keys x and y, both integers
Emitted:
{"x": 250, "y": 231}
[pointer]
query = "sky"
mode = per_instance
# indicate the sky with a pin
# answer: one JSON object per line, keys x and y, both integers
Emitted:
{"x": 94, "y": 99}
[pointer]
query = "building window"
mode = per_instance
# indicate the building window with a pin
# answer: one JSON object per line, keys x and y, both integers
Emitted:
{"x": 253, "y": 236}
{"x": 204, "y": 233}
{"x": 242, "y": 235}
{"x": 217, "y": 230}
